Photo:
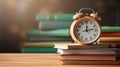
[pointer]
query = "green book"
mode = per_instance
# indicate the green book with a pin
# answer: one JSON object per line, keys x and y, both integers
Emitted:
{"x": 63, "y": 32}
{"x": 54, "y": 17}
{"x": 53, "y": 33}
{"x": 110, "y": 29}
{"x": 49, "y": 25}
{"x": 38, "y": 50}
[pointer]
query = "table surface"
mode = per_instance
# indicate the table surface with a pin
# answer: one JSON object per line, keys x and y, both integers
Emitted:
{"x": 37, "y": 60}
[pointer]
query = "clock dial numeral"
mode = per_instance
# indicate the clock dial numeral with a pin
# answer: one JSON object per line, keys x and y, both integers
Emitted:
{"x": 90, "y": 23}
{"x": 82, "y": 37}
{"x": 90, "y": 37}
{"x": 94, "y": 34}
{"x": 78, "y": 34}
{"x": 79, "y": 26}
{"x": 77, "y": 30}
{"x": 93, "y": 25}
{"x": 86, "y": 39}
{"x": 95, "y": 30}
{"x": 86, "y": 22}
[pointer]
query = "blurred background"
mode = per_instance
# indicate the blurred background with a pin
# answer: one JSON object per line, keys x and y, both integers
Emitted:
{"x": 16, "y": 16}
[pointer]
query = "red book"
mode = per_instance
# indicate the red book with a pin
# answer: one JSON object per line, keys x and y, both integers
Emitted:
{"x": 113, "y": 34}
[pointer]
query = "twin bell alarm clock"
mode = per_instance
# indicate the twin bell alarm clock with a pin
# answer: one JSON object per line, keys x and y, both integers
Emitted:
{"x": 85, "y": 28}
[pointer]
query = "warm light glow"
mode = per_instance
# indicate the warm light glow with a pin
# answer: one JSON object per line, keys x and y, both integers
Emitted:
{"x": 11, "y": 3}
{"x": 22, "y": 6}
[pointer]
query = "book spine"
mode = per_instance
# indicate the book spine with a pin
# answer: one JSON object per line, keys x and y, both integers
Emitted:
{"x": 89, "y": 51}
{"x": 110, "y": 29}
{"x": 53, "y": 33}
{"x": 38, "y": 44}
{"x": 109, "y": 40}
{"x": 118, "y": 53}
{"x": 112, "y": 34}
{"x": 91, "y": 62}
{"x": 38, "y": 50}
{"x": 54, "y": 17}
{"x": 88, "y": 57}
{"x": 49, "y": 25}
{"x": 50, "y": 39}
{"x": 41, "y": 44}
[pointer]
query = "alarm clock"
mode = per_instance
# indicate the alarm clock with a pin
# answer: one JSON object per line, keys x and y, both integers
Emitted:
{"x": 85, "y": 28}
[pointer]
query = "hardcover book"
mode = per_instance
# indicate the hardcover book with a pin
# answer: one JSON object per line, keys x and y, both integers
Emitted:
{"x": 54, "y": 17}
{"x": 78, "y": 46}
{"x": 49, "y": 25}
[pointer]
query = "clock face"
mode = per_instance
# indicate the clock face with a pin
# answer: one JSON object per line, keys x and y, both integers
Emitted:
{"x": 87, "y": 30}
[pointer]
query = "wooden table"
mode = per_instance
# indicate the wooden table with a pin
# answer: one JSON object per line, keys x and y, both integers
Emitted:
{"x": 37, "y": 60}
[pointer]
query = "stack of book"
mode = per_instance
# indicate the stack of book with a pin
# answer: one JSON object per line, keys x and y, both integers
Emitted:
{"x": 52, "y": 28}
{"x": 92, "y": 54}
{"x": 110, "y": 35}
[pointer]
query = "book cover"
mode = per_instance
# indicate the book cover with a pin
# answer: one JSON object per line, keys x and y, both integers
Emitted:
{"x": 54, "y": 17}
{"x": 49, "y": 25}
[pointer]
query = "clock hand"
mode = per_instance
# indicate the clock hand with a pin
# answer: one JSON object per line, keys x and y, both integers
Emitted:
{"x": 86, "y": 28}
{"x": 90, "y": 29}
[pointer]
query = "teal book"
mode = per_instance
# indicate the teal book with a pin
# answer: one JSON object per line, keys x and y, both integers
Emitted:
{"x": 111, "y": 29}
{"x": 54, "y": 17}
{"x": 49, "y": 25}
{"x": 38, "y": 50}
{"x": 63, "y": 32}
{"x": 53, "y": 33}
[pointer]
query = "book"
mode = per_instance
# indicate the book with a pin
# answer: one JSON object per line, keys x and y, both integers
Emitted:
{"x": 78, "y": 46}
{"x": 110, "y": 34}
{"x": 118, "y": 53}
{"x": 49, "y": 25}
{"x": 109, "y": 40}
{"x": 88, "y": 51}
{"x": 114, "y": 45}
{"x": 110, "y": 29}
{"x": 52, "y": 33}
{"x": 54, "y": 17}
{"x": 48, "y": 39}
{"x": 88, "y": 57}
{"x": 90, "y": 62}
{"x": 38, "y": 50}
{"x": 56, "y": 32}
{"x": 40, "y": 44}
